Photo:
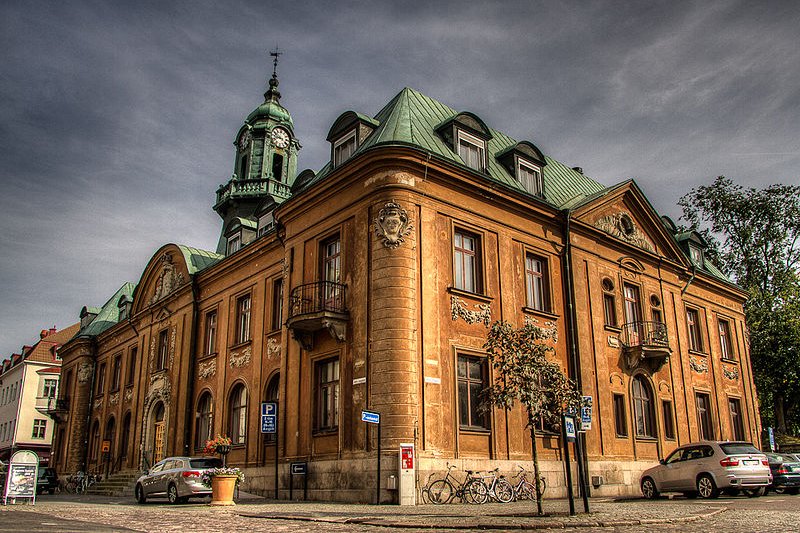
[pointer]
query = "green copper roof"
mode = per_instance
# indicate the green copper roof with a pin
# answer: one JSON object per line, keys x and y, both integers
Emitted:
{"x": 108, "y": 314}
{"x": 197, "y": 260}
{"x": 411, "y": 118}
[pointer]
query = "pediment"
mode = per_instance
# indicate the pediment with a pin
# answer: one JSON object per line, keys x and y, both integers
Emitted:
{"x": 625, "y": 214}
{"x": 165, "y": 274}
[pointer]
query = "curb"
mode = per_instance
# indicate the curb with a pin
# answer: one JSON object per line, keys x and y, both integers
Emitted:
{"x": 478, "y": 524}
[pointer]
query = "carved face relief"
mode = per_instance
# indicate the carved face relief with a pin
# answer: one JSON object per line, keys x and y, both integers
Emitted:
{"x": 392, "y": 225}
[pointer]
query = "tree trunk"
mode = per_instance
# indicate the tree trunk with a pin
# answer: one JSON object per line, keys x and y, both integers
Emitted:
{"x": 780, "y": 414}
{"x": 535, "y": 467}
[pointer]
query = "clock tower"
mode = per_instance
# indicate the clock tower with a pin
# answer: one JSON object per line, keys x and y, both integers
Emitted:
{"x": 264, "y": 168}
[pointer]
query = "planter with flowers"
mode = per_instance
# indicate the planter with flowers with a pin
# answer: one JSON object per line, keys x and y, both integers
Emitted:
{"x": 220, "y": 445}
{"x": 223, "y": 482}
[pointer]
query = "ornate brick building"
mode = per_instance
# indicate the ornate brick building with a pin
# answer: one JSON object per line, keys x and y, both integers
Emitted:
{"x": 370, "y": 285}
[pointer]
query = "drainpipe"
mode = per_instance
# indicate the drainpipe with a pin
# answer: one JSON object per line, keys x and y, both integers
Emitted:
{"x": 572, "y": 333}
{"x": 691, "y": 279}
{"x": 92, "y": 384}
{"x": 187, "y": 425}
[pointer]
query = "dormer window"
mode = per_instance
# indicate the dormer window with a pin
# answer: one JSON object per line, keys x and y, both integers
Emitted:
{"x": 344, "y": 148}
{"x": 234, "y": 243}
{"x": 265, "y": 223}
{"x": 472, "y": 151}
{"x": 696, "y": 254}
{"x": 530, "y": 176}
{"x": 125, "y": 306}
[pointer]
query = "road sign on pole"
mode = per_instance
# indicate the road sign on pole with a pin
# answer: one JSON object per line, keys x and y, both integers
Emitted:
{"x": 370, "y": 417}
{"x": 269, "y": 417}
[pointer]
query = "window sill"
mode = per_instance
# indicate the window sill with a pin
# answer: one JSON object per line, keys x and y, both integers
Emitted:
{"x": 544, "y": 314}
{"x": 207, "y": 356}
{"x": 646, "y": 439}
{"x": 615, "y": 329}
{"x": 468, "y": 294}
{"x": 112, "y": 391}
{"x": 474, "y": 430}
{"x": 728, "y": 360}
{"x": 239, "y": 344}
{"x": 621, "y": 436}
{"x": 324, "y": 432}
{"x": 695, "y": 352}
{"x": 159, "y": 371}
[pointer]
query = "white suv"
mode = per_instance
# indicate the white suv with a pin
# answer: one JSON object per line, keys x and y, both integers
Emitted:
{"x": 704, "y": 468}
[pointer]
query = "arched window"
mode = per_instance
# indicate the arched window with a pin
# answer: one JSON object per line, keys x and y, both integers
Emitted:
{"x": 272, "y": 394}
{"x": 203, "y": 427}
{"x": 643, "y": 414}
{"x": 238, "y": 414}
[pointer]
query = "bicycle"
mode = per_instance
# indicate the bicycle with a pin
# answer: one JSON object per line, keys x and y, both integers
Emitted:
{"x": 524, "y": 489}
{"x": 499, "y": 488}
{"x": 441, "y": 491}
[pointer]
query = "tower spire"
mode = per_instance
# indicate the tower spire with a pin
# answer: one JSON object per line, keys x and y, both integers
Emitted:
{"x": 272, "y": 93}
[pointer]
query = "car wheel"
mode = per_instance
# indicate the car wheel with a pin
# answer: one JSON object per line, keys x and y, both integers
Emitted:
{"x": 755, "y": 493}
{"x": 649, "y": 489}
{"x": 706, "y": 487}
{"x": 172, "y": 494}
{"x": 140, "y": 497}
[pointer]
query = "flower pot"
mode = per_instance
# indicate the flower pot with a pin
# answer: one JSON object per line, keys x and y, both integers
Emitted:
{"x": 223, "y": 449}
{"x": 222, "y": 488}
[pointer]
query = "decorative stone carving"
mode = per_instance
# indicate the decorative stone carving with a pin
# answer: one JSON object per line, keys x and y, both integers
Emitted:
{"x": 129, "y": 394}
{"x": 273, "y": 348}
{"x": 616, "y": 375}
{"x": 285, "y": 268}
{"x": 159, "y": 389}
{"x": 336, "y": 328}
{"x": 732, "y": 374}
{"x": 392, "y": 225}
{"x": 459, "y": 309}
{"x": 207, "y": 369}
{"x": 98, "y": 403}
{"x": 613, "y": 341}
{"x": 621, "y": 226}
{"x": 113, "y": 399}
{"x": 240, "y": 359}
{"x": 84, "y": 372}
{"x": 152, "y": 357}
{"x": 168, "y": 281}
{"x": 172, "y": 336}
{"x": 699, "y": 365}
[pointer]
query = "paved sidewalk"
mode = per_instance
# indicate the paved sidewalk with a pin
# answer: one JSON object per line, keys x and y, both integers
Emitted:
{"x": 254, "y": 513}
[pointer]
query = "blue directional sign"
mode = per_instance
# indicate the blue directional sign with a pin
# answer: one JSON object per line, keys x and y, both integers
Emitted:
{"x": 370, "y": 417}
{"x": 569, "y": 428}
{"x": 269, "y": 417}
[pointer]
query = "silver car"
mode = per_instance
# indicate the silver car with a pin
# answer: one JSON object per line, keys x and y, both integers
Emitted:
{"x": 705, "y": 468}
{"x": 176, "y": 478}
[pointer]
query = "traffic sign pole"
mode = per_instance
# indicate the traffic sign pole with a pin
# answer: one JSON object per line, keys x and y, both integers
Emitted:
{"x": 567, "y": 465}
{"x": 371, "y": 417}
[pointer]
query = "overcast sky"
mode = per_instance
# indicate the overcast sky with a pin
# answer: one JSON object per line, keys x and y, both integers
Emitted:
{"x": 117, "y": 118}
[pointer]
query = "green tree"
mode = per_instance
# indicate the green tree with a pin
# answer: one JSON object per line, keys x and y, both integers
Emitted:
{"x": 754, "y": 235}
{"x": 525, "y": 375}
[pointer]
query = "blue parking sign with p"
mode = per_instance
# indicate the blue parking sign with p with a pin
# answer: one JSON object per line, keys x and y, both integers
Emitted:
{"x": 269, "y": 417}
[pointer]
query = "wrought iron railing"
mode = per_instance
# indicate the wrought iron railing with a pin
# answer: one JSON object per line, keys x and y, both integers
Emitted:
{"x": 645, "y": 334}
{"x": 318, "y": 297}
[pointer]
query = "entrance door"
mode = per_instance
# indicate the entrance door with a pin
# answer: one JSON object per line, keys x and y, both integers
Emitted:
{"x": 158, "y": 443}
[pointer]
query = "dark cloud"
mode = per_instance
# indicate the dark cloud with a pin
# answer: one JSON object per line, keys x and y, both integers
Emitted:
{"x": 116, "y": 119}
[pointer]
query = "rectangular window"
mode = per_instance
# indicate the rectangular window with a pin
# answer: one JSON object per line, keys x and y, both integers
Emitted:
{"x": 277, "y": 304}
{"x": 472, "y": 380}
{"x": 132, "y": 365}
{"x": 210, "y": 343}
{"x": 116, "y": 372}
{"x": 344, "y": 148}
{"x": 693, "y": 325}
{"x": 327, "y": 395}
{"x": 620, "y": 420}
{"x": 39, "y": 428}
{"x": 163, "y": 349}
{"x": 471, "y": 149}
{"x": 466, "y": 261}
{"x": 536, "y": 282}
{"x": 725, "y": 339}
{"x": 50, "y": 388}
{"x": 234, "y": 243}
{"x": 101, "y": 379}
{"x": 609, "y": 303}
{"x": 669, "y": 422}
{"x": 530, "y": 177}
{"x": 66, "y": 386}
{"x": 737, "y": 424}
{"x": 703, "y": 403}
{"x": 243, "y": 319}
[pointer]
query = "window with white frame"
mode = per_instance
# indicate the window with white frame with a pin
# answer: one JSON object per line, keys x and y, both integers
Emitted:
{"x": 50, "y": 388}
{"x": 696, "y": 254}
{"x": 39, "y": 428}
{"x": 234, "y": 243}
{"x": 530, "y": 177}
{"x": 243, "y": 319}
{"x": 536, "y": 282}
{"x": 344, "y": 148}
{"x": 472, "y": 151}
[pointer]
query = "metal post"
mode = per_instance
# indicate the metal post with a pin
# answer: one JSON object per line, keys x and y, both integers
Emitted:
{"x": 291, "y": 484}
{"x": 579, "y": 456}
{"x": 567, "y": 465}
{"x": 378, "y": 480}
{"x": 276, "y": 465}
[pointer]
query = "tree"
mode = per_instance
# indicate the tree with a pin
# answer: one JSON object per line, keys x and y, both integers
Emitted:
{"x": 754, "y": 236}
{"x": 525, "y": 375}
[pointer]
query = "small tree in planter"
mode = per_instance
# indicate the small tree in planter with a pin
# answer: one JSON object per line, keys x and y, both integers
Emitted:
{"x": 524, "y": 374}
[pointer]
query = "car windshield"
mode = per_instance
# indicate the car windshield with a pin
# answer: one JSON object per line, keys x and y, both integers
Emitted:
{"x": 735, "y": 448}
{"x": 205, "y": 462}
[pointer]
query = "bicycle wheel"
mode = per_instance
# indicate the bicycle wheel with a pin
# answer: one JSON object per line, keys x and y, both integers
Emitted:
{"x": 526, "y": 491}
{"x": 542, "y": 485}
{"x": 503, "y": 491}
{"x": 71, "y": 487}
{"x": 476, "y": 492}
{"x": 440, "y": 491}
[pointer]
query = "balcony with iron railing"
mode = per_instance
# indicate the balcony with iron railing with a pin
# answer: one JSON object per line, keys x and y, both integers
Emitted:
{"x": 239, "y": 188}
{"x": 318, "y": 305}
{"x": 55, "y": 408}
{"x": 645, "y": 342}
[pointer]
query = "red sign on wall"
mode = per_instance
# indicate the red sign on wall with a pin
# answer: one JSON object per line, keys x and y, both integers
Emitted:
{"x": 407, "y": 457}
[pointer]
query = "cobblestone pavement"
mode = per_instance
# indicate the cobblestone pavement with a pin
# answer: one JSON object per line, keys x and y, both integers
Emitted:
{"x": 84, "y": 513}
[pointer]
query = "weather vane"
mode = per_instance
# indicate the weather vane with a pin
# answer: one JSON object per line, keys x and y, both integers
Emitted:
{"x": 275, "y": 53}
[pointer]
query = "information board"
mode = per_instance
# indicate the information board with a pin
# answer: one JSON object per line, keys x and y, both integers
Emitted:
{"x": 21, "y": 481}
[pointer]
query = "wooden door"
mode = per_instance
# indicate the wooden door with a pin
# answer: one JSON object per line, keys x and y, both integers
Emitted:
{"x": 158, "y": 443}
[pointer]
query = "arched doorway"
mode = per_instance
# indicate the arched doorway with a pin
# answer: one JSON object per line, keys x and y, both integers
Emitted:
{"x": 94, "y": 445}
{"x": 159, "y": 427}
{"x": 125, "y": 440}
{"x": 109, "y": 436}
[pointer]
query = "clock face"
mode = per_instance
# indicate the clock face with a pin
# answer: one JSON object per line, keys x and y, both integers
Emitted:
{"x": 280, "y": 138}
{"x": 244, "y": 141}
